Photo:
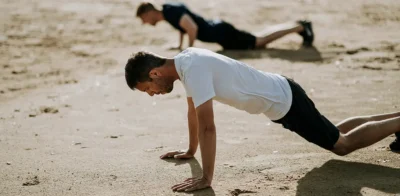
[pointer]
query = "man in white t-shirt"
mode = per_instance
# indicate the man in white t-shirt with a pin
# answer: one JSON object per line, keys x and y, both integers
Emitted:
{"x": 209, "y": 76}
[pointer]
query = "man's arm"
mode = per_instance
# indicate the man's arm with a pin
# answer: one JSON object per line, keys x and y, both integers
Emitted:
{"x": 193, "y": 125}
{"x": 180, "y": 40}
{"x": 208, "y": 143}
{"x": 207, "y": 138}
{"x": 193, "y": 135}
{"x": 179, "y": 47}
{"x": 187, "y": 23}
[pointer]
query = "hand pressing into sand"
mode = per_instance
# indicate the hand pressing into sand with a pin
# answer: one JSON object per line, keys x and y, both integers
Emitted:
{"x": 192, "y": 184}
{"x": 174, "y": 48}
{"x": 179, "y": 154}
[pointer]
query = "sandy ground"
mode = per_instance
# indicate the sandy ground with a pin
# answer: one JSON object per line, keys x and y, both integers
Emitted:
{"x": 69, "y": 125}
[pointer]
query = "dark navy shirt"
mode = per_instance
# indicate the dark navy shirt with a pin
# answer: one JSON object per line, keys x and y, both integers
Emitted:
{"x": 173, "y": 13}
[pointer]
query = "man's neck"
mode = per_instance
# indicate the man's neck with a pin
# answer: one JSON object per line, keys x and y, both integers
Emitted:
{"x": 160, "y": 16}
{"x": 171, "y": 69}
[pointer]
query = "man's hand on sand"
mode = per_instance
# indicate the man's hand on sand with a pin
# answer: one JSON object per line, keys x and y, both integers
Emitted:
{"x": 192, "y": 184}
{"x": 180, "y": 154}
{"x": 175, "y": 48}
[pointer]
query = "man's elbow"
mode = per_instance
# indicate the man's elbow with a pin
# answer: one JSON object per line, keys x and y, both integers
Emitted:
{"x": 191, "y": 114}
{"x": 209, "y": 130}
{"x": 193, "y": 32}
{"x": 195, "y": 29}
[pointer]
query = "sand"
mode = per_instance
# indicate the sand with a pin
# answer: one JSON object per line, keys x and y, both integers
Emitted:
{"x": 69, "y": 125}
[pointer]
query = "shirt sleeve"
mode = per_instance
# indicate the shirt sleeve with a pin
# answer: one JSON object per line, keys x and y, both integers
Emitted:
{"x": 199, "y": 84}
{"x": 173, "y": 15}
{"x": 188, "y": 94}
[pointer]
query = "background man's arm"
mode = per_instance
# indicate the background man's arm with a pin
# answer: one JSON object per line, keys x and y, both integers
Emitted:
{"x": 179, "y": 47}
{"x": 180, "y": 40}
{"x": 187, "y": 23}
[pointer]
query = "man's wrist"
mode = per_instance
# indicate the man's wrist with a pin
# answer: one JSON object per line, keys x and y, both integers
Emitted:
{"x": 207, "y": 178}
{"x": 191, "y": 151}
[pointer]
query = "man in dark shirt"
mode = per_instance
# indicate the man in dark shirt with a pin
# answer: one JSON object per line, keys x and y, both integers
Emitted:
{"x": 217, "y": 31}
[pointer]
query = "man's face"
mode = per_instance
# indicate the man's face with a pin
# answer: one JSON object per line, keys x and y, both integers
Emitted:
{"x": 161, "y": 85}
{"x": 149, "y": 18}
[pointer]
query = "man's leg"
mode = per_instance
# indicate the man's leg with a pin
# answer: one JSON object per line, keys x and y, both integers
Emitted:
{"x": 366, "y": 135}
{"x": 279, "y": 31}
{"x": 353, "y": 122}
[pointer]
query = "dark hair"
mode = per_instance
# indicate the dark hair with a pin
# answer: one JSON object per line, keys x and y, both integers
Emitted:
{"x": 139, "y": 65}
{"x": 144, "y": 7}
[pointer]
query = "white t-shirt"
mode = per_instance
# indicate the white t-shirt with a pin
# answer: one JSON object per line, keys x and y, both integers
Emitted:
{"x": 207, "y": 75}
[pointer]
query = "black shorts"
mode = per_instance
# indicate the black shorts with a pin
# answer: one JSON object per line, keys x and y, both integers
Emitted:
{"x": 231, "y": 38}
{"x": 304, "y": 119}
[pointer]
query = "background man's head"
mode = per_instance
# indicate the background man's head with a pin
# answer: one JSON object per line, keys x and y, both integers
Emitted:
{"x": 145, "y": 71}
{"x": 147, "y": 13}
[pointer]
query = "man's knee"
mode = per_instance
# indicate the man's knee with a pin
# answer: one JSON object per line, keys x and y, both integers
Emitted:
{"x": 342, "y": 147}
{"x": 341, "y": 150}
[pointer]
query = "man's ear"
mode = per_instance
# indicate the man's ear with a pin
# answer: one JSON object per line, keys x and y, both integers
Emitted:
{"x": 154, "y": 73}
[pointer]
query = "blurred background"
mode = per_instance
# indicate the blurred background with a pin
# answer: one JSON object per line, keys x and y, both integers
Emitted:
{"x": 55, "y": 42}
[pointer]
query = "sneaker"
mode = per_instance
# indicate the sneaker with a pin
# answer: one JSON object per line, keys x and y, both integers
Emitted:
{"x": 307, "y": 33}
{"x": 395, "y": 145}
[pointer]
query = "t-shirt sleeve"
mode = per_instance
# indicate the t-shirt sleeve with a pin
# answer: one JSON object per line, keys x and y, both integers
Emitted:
{"x": 173, "y": 15}
{"x": 187, "y": 91}
{"x": 199, "y": 84}
{"x": 183, "y": 60}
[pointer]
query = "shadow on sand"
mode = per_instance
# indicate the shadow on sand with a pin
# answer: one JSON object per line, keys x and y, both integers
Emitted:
{"x": 301, "y": 55}
{"x": 337, "y": 177}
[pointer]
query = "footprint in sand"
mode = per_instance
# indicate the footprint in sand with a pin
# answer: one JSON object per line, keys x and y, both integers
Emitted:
{"x": 237, "y": 192}
{"x": 377, "y": 68}
{"x": 72, "y": 81}
{"x": 336, "y": 45}
{"x": 370, "y": 67}
{"x": 356, "y": 50}
{"x": 44, "y": 109}
{"x": 380, "y": 60}
{"x": 31, "y": 181}
{"x": 19, "y": 71}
